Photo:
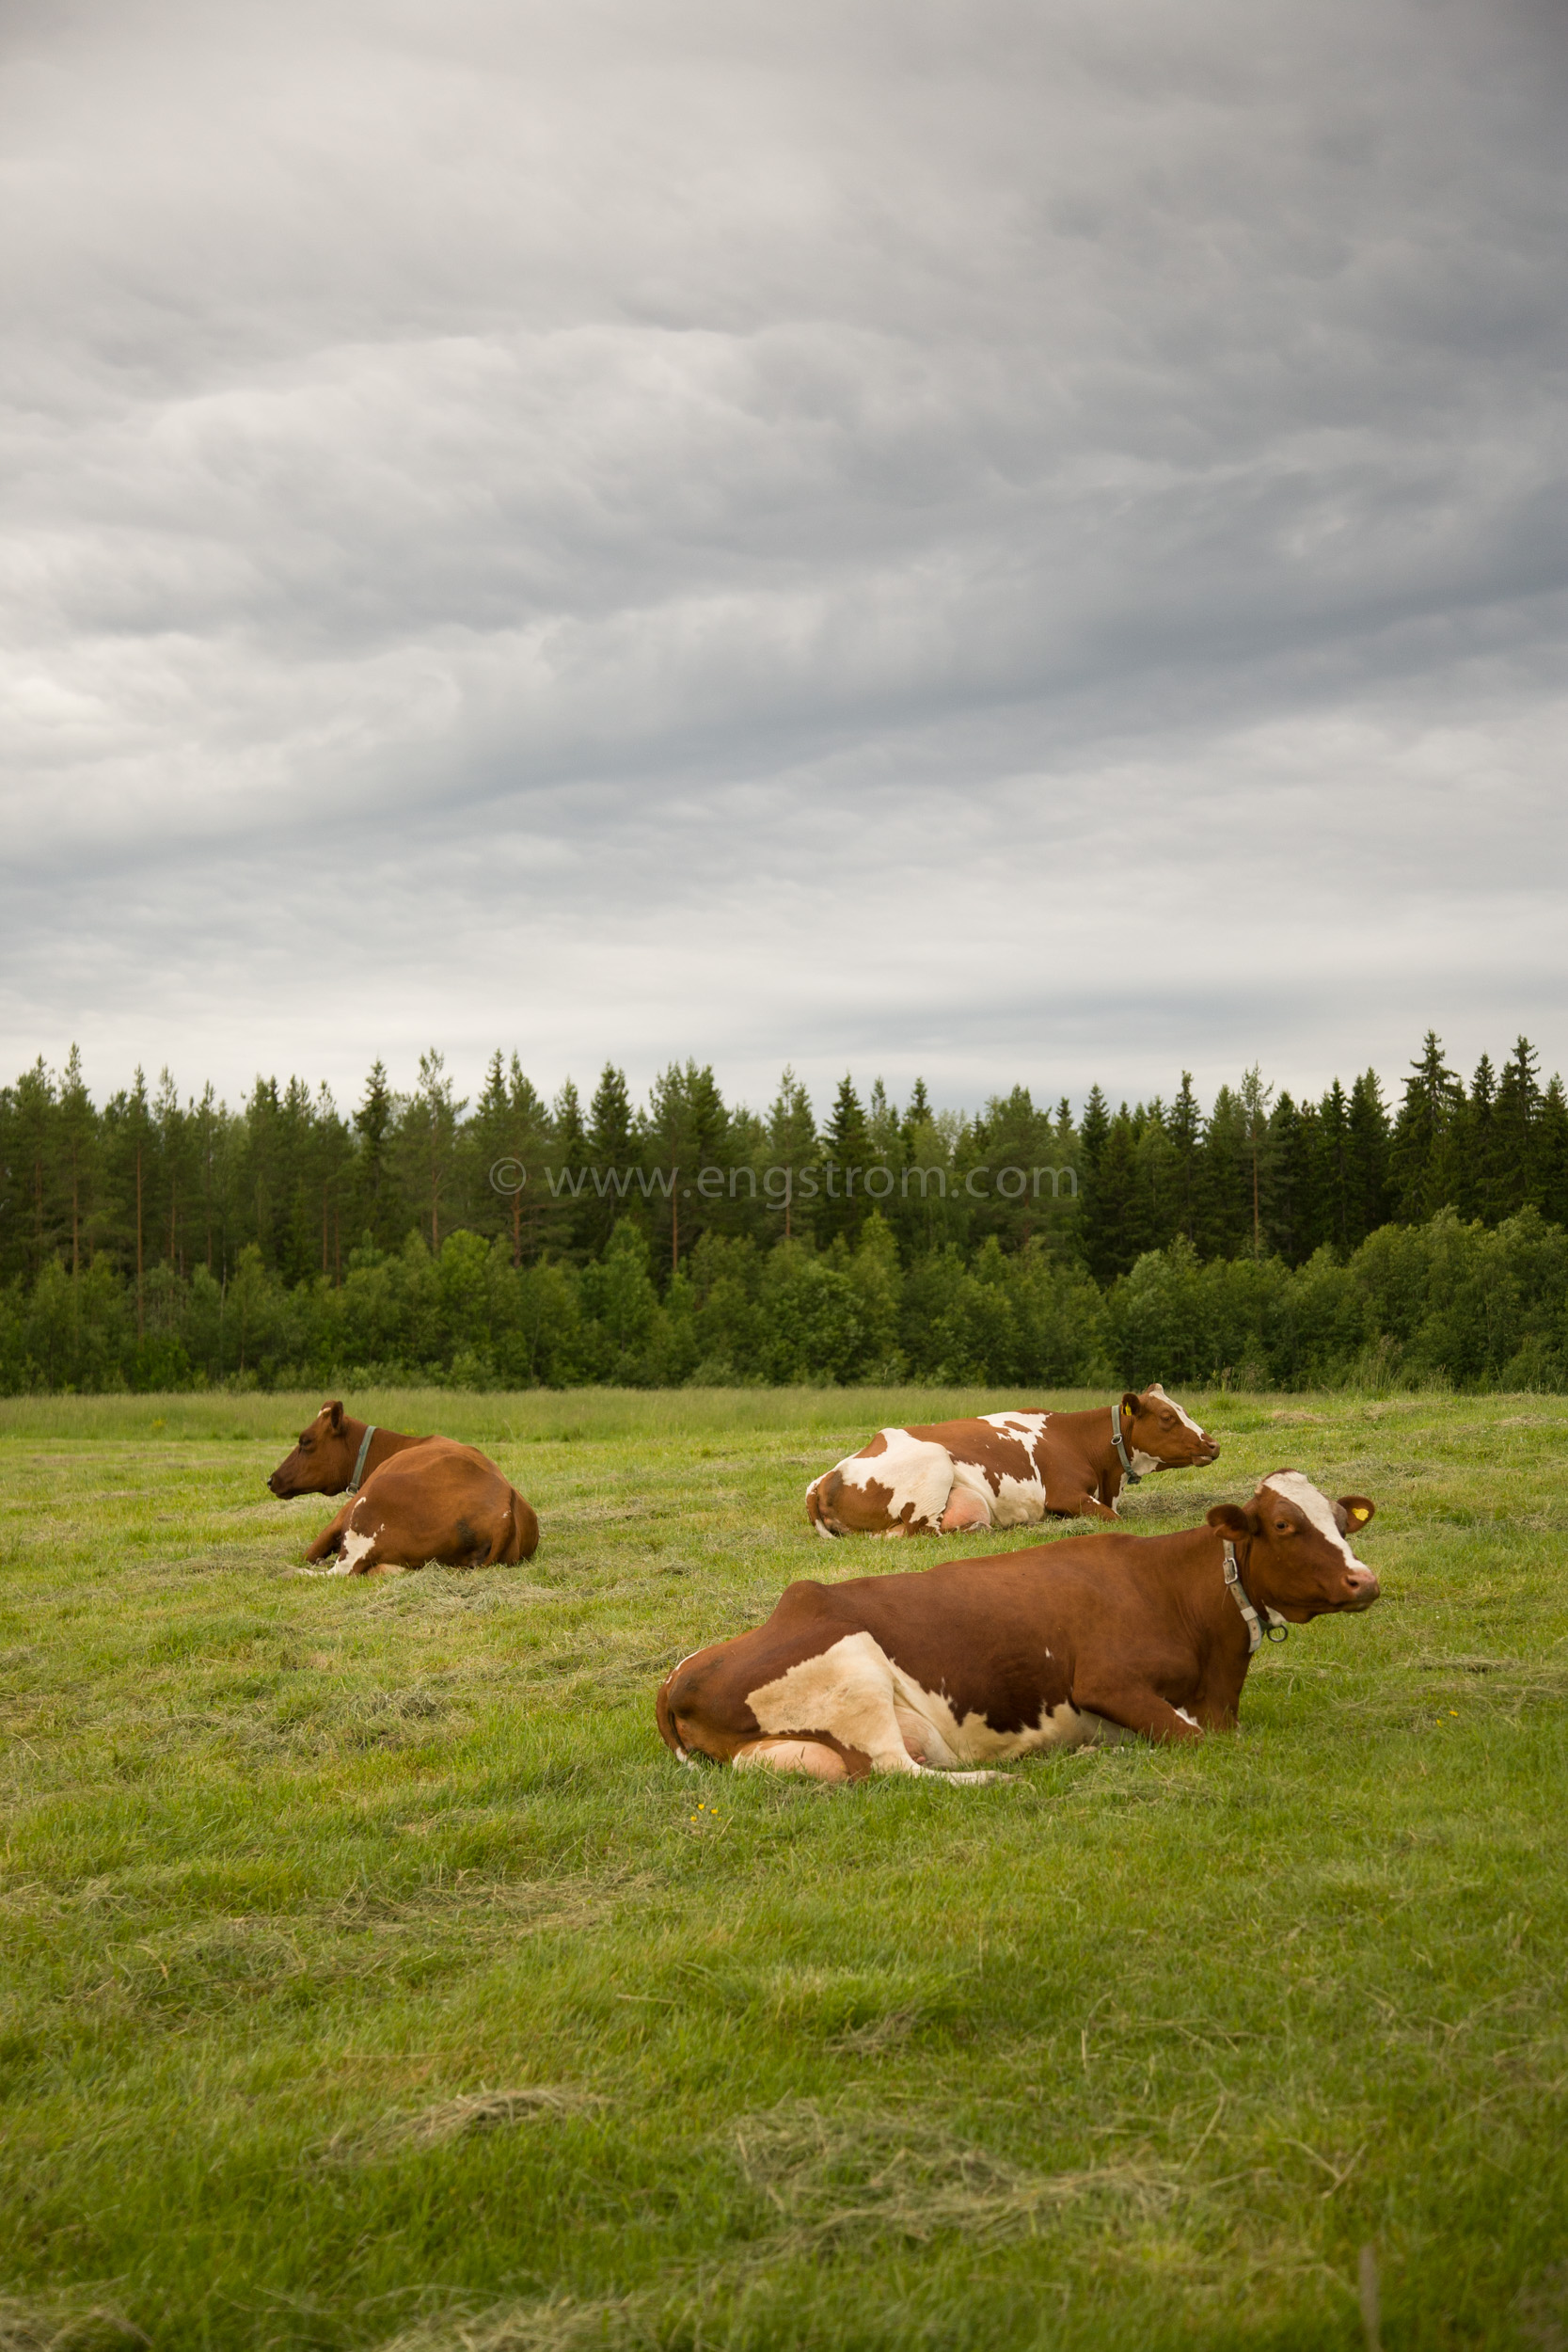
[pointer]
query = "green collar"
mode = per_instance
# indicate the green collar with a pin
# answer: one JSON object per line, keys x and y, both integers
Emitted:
{"x": 360, "y": 1465}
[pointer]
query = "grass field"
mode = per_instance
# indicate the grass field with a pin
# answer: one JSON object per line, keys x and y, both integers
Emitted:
{"x": 372, "y": 1975}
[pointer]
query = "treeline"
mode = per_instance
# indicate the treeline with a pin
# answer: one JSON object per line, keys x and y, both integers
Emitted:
{"x": 154, "y": 1241}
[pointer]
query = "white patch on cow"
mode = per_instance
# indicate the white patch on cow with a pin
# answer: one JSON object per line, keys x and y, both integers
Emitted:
{"x": 1189, "y": 1719}
{"x": 1184, "y": 1418}
{"x": 356, "y": 1548}
{"x": 918, "y": 1472}
{"x": 855, "y": 1691}
{"x": 1143, "y": 1463}
{"x": 1314, "y": 1506}
{"x": 1026, "y": 1425}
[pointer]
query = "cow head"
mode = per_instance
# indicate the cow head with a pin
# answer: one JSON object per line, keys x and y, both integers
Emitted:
{"x": 322, "y": 1462}
{"x": 1292, "y": 1549}
{"x": 1158, "y": 1435}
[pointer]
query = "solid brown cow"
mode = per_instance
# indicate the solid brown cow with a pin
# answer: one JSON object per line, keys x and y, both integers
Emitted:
{"x": 1088, "y": 1639}
{"x": 1005, "y": 1470}
{"x": 411, "y": 1500}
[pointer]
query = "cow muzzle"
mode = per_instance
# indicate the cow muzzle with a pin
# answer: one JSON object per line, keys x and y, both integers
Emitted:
{"x": 1361, "y": 1589}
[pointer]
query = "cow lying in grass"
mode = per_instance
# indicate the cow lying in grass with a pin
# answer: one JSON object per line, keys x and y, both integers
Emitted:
{"x": 973, "y": 1660}
{"x": 1005, "y": 1470}
{"x": 411, "y": 1500}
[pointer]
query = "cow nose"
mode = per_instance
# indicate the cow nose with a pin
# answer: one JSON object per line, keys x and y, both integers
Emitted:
{"x": 1364, "y": 1588}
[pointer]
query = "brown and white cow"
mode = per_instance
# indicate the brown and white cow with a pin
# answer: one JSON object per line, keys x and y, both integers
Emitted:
{"x": 1005, "y": 1470}
{"x": 411, "y": 1500}
{"x": 972, "y": 1661}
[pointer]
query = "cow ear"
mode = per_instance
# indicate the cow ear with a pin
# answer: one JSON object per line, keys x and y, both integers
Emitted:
{"x": 1226, "y": 1519}
{"x": 1131, "y": 1404}
{"x": 335, "y": 1414}
{"x": 1352, "y": 1512}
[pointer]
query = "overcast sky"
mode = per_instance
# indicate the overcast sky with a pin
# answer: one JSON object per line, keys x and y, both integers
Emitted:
{"x": 1011, "y": 543}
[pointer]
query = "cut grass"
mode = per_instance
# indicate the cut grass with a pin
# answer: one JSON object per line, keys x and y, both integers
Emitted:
{"x": 372, "y": 1975}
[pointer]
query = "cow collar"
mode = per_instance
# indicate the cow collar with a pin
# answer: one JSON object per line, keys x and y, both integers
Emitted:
{"x": 1270, "y": 1620}
{"x": 360, "y": 1465}
{"x": 1135, "y": 1477}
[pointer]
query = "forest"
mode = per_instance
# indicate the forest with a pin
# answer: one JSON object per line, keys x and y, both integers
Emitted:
{"x": 160, "y": 1241}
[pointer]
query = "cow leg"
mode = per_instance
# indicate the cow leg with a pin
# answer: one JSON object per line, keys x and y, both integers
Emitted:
{"x": 964, "y": 1510}
{"x": 810, "y": 1756}
{"x": 1137, "y": 1707}
{"x": 1080, "y": 1504}
{"x": 331, "y": 1536}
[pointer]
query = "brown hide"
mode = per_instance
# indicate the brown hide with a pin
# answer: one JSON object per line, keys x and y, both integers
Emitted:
{"x": 434, "y": 1502}
{"x": 1125, "y": 1629}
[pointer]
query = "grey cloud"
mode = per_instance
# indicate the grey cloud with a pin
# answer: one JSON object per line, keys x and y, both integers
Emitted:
{"x": 827, "y": 535}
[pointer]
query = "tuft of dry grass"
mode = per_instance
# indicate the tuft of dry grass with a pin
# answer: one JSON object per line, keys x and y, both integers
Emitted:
{"x": 829, "y": 2172}
{"x": 56, "y": 2327}
{"x": 454, "y": 2119}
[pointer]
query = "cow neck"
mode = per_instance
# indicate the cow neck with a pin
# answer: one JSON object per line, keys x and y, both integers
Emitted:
{"x": 1133, "y": 1478}
{"x": 1259, "y": 1617}
{"x": 382, "y": 1444}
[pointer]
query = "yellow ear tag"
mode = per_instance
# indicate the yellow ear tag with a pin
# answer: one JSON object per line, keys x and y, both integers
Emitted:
{"x": 1360, "y": 1511}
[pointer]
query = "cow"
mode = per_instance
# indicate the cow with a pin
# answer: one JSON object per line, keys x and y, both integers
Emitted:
{"x": 1092, "y": 1638}
{"x": 411, "y": 1500}
{"x": 1005, "y": 1470}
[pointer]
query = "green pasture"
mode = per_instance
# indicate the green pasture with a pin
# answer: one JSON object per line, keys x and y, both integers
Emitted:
{"x": 373, "y": 1977}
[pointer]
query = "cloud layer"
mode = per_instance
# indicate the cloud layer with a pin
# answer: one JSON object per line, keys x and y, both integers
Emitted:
{"x": 1001, "y": 541}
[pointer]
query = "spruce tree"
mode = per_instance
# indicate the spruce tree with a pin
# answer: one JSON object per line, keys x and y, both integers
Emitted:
{"x": 1514, "y": 1124}
{"x": 1370, "y": 1202}
{"x": 1334, "y": 1186}
{"x": 1226, "y": 1197}
{"x": 1477, "y": 1191}
{"x": 613, "y": 1150}
{"x": 846, "y": 1149}
{"x": 1422, "y": 1155}
{"x": 375, "y": 1213}
{"x": 1552, "y": 1153}
{"x": 792, "y": 1157}
{"x": 1184, "y": 1126}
